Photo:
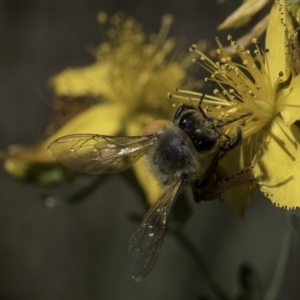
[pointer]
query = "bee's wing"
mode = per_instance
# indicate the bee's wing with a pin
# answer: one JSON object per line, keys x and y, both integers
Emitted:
{"x": 145, "y": 244}
{"x": 99, "y": 154}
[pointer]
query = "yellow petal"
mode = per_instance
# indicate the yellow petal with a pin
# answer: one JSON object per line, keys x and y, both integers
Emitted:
{"x": 276, "y": 42}
{"x": 36, "y": 162}
{"x": 277, "y": 168}
{"x": 293, "y": 49}
{"x": 288, "y": 103}
{"x": 45, "y": 173}
{"x": 148, "y": 183}
{"x": 90, "y": 80}
{"x": 245, "y": 40}
{"x": 101, "y": 119}
{"x": 243, "y": 14}
{"x": 239, "y": 198}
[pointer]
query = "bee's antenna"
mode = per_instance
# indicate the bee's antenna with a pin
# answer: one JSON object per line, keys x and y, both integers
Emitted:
{"x": 206, "y": 90}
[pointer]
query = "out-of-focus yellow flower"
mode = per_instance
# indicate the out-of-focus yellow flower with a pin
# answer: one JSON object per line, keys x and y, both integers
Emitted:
{"x": 242, "y": 17}
{"x": 263, "y": 85}
{"x": 131, "y": 77}
{"x": 244, "y": 14}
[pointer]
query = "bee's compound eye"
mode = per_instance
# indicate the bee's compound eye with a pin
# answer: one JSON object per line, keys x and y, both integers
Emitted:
{"x": 202, "y": 145}
{"x": 187, "y": 122}
{"x": 153, "y": 127}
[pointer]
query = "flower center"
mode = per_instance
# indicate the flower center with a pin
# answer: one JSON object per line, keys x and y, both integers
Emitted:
{"x": 243, "y": 87}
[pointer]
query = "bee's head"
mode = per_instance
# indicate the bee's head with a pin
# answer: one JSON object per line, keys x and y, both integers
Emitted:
{"x": 199, "y": 127}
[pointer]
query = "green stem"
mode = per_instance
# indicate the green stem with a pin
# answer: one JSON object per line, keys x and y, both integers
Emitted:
{"x": 193, "y": 251}
{"x": 75, "y": 197}
{"x": 281, "y": 268}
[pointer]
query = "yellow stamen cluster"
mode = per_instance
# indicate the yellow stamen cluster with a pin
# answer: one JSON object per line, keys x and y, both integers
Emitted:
{"x": 242, "y": 87}
{"x": 132, "y": 70}
{"x": 142, "y": 69}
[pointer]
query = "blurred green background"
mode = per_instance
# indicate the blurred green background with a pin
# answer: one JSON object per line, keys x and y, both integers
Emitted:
{"x": 80, "y": 251}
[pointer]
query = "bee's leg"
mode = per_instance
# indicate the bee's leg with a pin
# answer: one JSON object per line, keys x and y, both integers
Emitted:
{"x": 233, "y": 142}
{"x": 199, "y": 190}
{"x": 227, "y": 136}
{"x": 200, "y": 185}
{"x": 224, "y": 184}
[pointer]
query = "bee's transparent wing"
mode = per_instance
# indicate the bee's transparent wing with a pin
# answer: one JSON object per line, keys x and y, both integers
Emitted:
{"x": 99, "y": 154}
{"x": 145, "y": 244}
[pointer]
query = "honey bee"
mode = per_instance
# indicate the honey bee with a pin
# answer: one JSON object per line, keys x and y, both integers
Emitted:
{"x": 183, "y": 151}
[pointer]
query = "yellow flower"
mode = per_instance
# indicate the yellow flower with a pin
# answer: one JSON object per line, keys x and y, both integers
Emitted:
{"x": 242, "y": 17}
{"x": 263, "y": 85}
{"x": 131, "y": 77}
{"x": 244, "y": 14}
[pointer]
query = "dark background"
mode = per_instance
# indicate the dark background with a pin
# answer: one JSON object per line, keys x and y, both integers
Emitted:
{"x": 79, "y": 252}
